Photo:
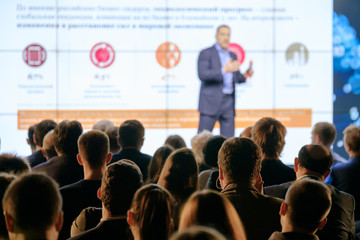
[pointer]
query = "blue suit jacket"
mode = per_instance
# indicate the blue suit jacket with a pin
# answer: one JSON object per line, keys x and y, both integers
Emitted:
{"x": 209, "y": 70}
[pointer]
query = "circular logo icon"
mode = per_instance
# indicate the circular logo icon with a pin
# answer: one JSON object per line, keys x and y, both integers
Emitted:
{"x": 238, "y": 50}
{"x": 168, "y": 55}
{"x": 102, "y": 55}
{"x": 34, "y": 55}
{"x": 297, "y": 54}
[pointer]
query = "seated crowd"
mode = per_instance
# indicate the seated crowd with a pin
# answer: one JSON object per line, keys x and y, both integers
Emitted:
{"x": 99, "y": 185}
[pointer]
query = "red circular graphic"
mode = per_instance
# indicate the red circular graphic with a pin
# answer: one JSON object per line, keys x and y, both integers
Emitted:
{"x": 102, "y": 55}
{"x": 34, "y": 55}
{"x": 238, "y": 50}
{"x": 168, "y": 55}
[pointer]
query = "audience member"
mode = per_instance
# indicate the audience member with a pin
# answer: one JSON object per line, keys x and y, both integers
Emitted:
{"x": 157, "y": 162}
{"x": 93, "y": 155}
{"x": 239, "y": 174}
{"x": 5, "y": 180}
{"x": 13, "y": 164}
{"x": 30, "y": 138}
{"x": 120, "y": 182}
{"x": 198, "y": 233}
{"x": 131, "y": 139}
{"x": 112, "y": 133}
{"x": 88, "y": 218}
{"x": 197, "y": 145}
{"x": 32, "y": 208}
{"x": 176, "y": 141}
{"x": 207, "y": 178}
{"x": 304, "y": 211}
{"x": 41, "y": 129}
{"x": 48, "y": 146}
{"x": 103, "y": 125}
{"x": 324, "y": 133}
{"x": 151, "y": 212}
{"x": 246, "y": 132}
{"x": 210, "y": 209}
{"x": 314, "y": 162}
{"x": 346, "y": 176}
{"x": 269, "y": 134}
{"x": 64, "y": 168}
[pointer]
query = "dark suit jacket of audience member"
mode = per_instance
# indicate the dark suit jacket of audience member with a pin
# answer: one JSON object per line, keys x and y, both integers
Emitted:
{"x": 340, "y": 221}
{"x": 276, "y": 172}
{"x": 63, "y": 169}
{"x": 36, "y": 158}
{"x": 346, "y": 177}
{"x": 76, "y": 197}
{"x": 293, "y": 236}
{"x": 108, "y": 229}
{"x": 259, "y": 213}
{"x": 141, "y": 159}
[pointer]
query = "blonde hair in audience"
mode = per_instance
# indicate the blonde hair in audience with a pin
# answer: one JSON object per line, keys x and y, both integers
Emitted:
{"x": 352, "y": 138}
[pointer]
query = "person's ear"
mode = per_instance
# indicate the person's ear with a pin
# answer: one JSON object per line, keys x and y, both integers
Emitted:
{"x": 9, "y": 222}
{"x": 78, "y": 157}
{"x": 34, "y": 139}
{"x": 99, "y": 193}
{"x": 130, "y": 218}
{"x": 108, "y": 157}
{"x": 322, "y": 224}
{"x": 283, "y": 209}
{"x": 296, "y": 164}
{"x": 221, "y": 176}
{"x": 59, "y": 222}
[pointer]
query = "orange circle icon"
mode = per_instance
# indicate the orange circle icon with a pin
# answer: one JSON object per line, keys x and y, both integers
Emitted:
{"x": 168, "y": 55}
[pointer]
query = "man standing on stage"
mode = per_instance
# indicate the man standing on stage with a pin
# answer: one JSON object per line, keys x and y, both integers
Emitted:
{"x": 218, "y": 71}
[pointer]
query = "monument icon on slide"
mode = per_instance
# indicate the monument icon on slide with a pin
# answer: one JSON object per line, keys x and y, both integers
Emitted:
{"x": 297, "y": 54}
{"x": 34, "y": 55}
{"x": 102, "y": 55}
{"x": 168, "y": 55}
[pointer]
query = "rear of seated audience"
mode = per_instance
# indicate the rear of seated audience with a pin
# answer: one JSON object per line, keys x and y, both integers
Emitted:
{"x": 120, "y": 182}
{"x": 112, "y": 133}
{"x": 176, "y": 141}
{"x": 13, "y": 164}
{"x": 209, "y": 208}
{"x": 103, "y": 125}
{"x": 157, "y": 162}
{"x": 197, "y": 145}
{"x": 304, "y": 211}
{"x": 48, "y": 146}
{"x": 30, "y": 138}
{"x": 269, "y": 134}
{"x": 198, "y": 233}
{"x": 5, "y": 180}
{"x": 93, "y": 155}
{"x": 32, "y": 207}
{"x": 151, "y": 213}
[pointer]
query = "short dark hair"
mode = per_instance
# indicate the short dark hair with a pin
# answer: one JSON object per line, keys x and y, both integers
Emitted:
{"x": 120, "y": 182}
{"x": 131, "y": 133}
{"x": 315, "y": 157}
{"x": 269, "y": 134}
{"x": 326, "y": 132}
{"x": 222, "y": 26}
{"x": 5, "y": 180}
{"x": 308, "y": 203}
{"x": 113, "y": 133}
{"x": 31, "y": 132}
{"x": 211, "y": 150}
{"x": 176, "y": 141}
{"x": 11, "y": 163}
{"x": 240, "y": 159}
{"x": 34, "y": 202}
{"x": 66, "y": 135}
{"x": 42, "y": 128}
{"x": 94, "y": 147}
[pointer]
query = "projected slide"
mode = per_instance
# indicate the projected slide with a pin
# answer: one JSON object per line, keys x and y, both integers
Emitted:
{"x": 89, "y": 60}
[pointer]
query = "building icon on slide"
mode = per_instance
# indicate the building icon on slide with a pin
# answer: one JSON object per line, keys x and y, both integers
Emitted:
{"x": 297, "y": 54}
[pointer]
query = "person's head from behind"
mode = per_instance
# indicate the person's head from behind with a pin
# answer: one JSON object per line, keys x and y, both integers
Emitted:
{"x": 150, "y": 215}
{"x": 131, "y": 134}
{"x": 223, "y": 36}
{"x": 176, "y": 141}
{"x": 211, "y": 150}
{"x": 247, "y": 132}
{"x": 269, "y": 134}
{"x": 48, "y": 145}
{"x": 314, "y": 159}
{"x": 157, "y": 162}
{"x": 352, "y": 140}
{"x": 66, "y": 135}
{"x": 180, "y": 174}
{"x": 102, "y": 125}
{"x": 306, "y": 205}
{"x": 323, "y": 133}
{"x": 11, "y": 163}
{"x": 5, "y": 180}
{"x": 198, "y": 233}
{"x": 94, "y": 149}
{"x": 198, "y": 142}
{"x": 41, "y": 129}
{"x": 30, "y": 138}
{"x": 32, "y": 207}
{"x": 119, "y": 183}
{"x": 239, "y": 160}
{"x": 112, "y": 133}
{"x": 209, "y": 208}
